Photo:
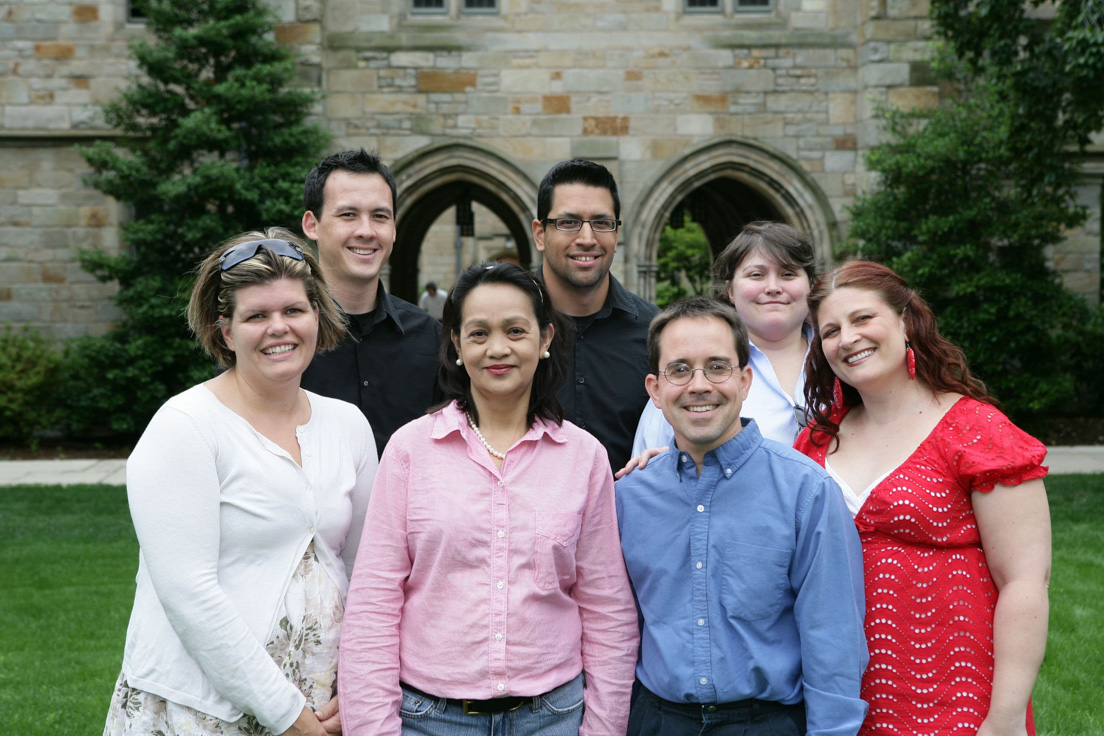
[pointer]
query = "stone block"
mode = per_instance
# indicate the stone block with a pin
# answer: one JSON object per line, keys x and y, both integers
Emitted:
{"x": 908, "y": 8}
{"x": 295, "y": 33}
{"x": 837, "y": 80}
{"x": 763, "y": 126}
{"x": 18, "y": 312}
{"x": 592, "y": 80}
{"x": 813, "y": 58}
{"x": 595, "y": 148}
{"x": 92, "y": 216}
{"x": 14, "y": 92}
{"x": 557, "y": 125}
{"x": 635, "y": 149}
{"x": 531, "y": 81}
{"x": 631, "y": 104}
{"x": 611, "y": 22}
{"x": 308, "y": 11}
{"x": 346, "y": 104}
{"x": 747, "y": 80}
{"x": 54, "y": 50}
{"x": 556, "y": 104}
{"x": 891, "y": 30}
{"x": 36, "y": 118}
{"x": 709, "y": 103}
{"x": 795, "y": 102}
{"x": 841, "y": 108}
{"x": 653, "y": 125}
{"x": 809, "y": 21}
{"x": 694, "y": 125}
{"x": 351, "y": 80}
{"x": 441, "y": 80}
{"x": 845, "y": 143}
{"x": 86, "y": 13}
{"x": 605, "y": 125}
{"x": 413, "y": 59}
{"x": 374, "y": 23}
{"x": 46, "y": 197}
{"x": 914, "y": 97}
{"x": 839, "y": 161}
{"x": 884, "y": 75}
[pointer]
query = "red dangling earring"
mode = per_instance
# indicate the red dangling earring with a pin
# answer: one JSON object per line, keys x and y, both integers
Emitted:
{"x": 910, "y": 361}
{"x": 837, "y": 393}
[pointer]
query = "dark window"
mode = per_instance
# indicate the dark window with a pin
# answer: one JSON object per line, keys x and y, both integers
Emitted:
{"x": 753, "y": 4}
{"x": 136, "y": 11}
{"x": 427, "y": 6}
{"x": 480, "y": 6}
{"x": 700, "y": 6}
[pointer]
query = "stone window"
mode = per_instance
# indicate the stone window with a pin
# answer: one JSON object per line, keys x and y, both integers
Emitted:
{"x": 443, "y": 7}
{"x": 136, "y": 11}
{"x": 725, "y": 6}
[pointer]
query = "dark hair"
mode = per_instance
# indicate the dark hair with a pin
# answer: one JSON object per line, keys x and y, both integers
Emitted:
{"x": 789, "y": 247}
{"x": 213, "y": 300}
{"x": 940, "y": 364}
{"x": 354, "y": 162}
{"x": 431, "y": 285}
{"x": 551, "y": 372}
{"x": 698, "y": 306}
{"x": 576, "y": 171}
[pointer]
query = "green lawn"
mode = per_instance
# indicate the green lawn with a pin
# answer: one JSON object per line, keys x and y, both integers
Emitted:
{"x": 69, "y": 555}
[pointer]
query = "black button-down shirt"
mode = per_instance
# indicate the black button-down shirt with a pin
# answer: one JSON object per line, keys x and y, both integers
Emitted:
{"x": 605, "y": 393}
{"x": 390, "y": 372}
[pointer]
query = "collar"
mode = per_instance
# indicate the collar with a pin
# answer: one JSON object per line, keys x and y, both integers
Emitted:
{"x": 616, "y": 298}
{"x": 385, "y": 309}
{"x": 730, "y": 456}
{"x": 451, "y": 419}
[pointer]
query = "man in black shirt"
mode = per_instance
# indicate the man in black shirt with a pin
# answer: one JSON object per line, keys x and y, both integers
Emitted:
{"x": 576, "y": 230}
{"x": 387, "y": 365}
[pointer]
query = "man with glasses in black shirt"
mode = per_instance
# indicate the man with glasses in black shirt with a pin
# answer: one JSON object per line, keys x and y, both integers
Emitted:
{"x": 387, "y": 365}
{"x": 576, "y": 231}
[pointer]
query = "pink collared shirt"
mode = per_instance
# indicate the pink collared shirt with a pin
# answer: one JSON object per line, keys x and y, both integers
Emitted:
{"x": 474, "y": 582}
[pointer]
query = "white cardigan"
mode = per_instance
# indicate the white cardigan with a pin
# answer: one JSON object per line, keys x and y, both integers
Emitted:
{"x": 223, "y": 516}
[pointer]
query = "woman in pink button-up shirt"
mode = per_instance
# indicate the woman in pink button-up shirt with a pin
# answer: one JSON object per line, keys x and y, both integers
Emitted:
{"x": 490, "y": 578}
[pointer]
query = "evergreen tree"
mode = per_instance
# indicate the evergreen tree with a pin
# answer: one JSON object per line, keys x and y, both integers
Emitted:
{"x": 971, "y": 196}
{"x": 217, "y": 144}
{"x": 683, "y": 263}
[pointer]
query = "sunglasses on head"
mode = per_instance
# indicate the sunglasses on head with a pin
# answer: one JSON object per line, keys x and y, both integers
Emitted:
{"x": 245, "y": 251}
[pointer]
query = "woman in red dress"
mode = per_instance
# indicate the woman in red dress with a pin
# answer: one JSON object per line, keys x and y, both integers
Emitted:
{"x": 949, "y": 501}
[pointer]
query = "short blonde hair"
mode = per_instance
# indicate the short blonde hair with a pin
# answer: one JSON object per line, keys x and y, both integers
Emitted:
{"x": 212, "y": 302}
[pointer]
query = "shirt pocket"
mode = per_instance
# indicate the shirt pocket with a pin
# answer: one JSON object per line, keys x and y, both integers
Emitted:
{"x": 756, "y": 581}
{"x": 557, "y": 535}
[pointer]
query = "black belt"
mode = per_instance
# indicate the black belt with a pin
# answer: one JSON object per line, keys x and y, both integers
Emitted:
{"x": 697, "y": 709}
{"x": 478, "y": 707}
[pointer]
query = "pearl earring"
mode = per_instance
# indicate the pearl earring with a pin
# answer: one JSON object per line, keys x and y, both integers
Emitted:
{"x": 546, "y": 354}
{"x": 459, "y": 361}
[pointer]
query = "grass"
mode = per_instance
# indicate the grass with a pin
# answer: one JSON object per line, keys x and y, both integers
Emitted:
{"x": 69, "y": 556}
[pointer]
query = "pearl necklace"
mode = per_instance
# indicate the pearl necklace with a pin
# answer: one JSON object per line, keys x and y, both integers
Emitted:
{"x": 496, "y": 453}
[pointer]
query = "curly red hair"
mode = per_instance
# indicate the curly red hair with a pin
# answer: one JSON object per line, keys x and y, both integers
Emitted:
{"x": 940, "y": 364}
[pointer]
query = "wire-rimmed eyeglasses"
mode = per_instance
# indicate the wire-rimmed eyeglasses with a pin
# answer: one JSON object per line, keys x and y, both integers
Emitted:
{"x": 575, "y": 224}
{"x": 681, "y": 374}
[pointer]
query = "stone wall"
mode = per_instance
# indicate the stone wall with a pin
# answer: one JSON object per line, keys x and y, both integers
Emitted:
{"x": 781, "y": 102}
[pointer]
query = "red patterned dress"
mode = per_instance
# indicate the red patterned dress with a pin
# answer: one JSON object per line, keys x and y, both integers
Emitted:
{"x": 929, "y": 594}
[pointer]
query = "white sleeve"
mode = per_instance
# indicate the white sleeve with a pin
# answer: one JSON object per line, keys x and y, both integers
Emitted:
{"x": 652, "y": 431}
{"x": 174, "y": 493}
{"x": 367, "y": 464}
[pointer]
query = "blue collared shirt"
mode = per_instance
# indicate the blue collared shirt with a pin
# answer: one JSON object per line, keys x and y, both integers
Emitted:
{"x": 748, "y": 580}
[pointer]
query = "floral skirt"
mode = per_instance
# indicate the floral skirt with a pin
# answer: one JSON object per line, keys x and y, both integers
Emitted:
{"x": 304, "y": 645}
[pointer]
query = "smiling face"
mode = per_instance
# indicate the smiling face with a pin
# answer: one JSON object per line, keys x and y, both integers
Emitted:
{"x": 578, "y": 260}
{"x": 355, "y": 230}
{"x": 500, "y": 342}
{"x": 273, "y": 331}
{"x": 770, "y": 297}
{"x": 863, "y": 338}
{"x": 703, "y": 414}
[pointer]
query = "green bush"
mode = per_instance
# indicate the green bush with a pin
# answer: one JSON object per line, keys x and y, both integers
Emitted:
{"x": 28, "y": 384}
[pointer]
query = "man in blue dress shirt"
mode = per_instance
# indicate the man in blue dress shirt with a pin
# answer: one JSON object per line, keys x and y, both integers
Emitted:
{"x": 744, "y": 559}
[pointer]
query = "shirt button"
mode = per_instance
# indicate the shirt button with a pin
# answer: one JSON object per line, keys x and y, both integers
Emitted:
{"x": 704, "y": 680}
{"x": 582, "y": 380}
{"x": 728, "y": 472}
{"x": 501, "y": 687}
{"x": 308, "y": 453}
{"x": 500, "y": 584}
{"x": 701, "y": 622}
{"x": 310, "y": 487}
{"x": 712, "y": 709}
{"x": 685, "y": 459}
{"x": 699, "y": 565}
{"x": 501, "y": 534}
{"x": 500, "y": 484}
{"x": 365, "y": 383}
{"x": 700, "y": 508}
{"x": 498, "y": 637}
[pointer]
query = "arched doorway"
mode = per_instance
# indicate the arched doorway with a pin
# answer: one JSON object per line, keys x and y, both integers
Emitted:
{"x": 446, "y": 176}
{"x": 729, "y": 183}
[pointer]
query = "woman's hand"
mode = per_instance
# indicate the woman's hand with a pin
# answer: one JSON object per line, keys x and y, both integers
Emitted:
{"x": 330, "y": 718}
{"x": 307, "y": 724}
{"x": 640, "y": 461}
{"x": 990, "y": 728}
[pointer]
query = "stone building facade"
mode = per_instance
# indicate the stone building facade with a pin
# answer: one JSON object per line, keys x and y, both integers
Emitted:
{"x": 747, "y": 110}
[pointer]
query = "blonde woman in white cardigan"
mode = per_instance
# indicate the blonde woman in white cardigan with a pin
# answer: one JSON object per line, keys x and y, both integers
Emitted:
{"x": 248, "y": 495}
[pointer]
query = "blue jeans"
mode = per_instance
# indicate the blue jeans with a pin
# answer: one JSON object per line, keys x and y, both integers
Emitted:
{"x": 653, "y": 716}
{"x": 558, "y": 712}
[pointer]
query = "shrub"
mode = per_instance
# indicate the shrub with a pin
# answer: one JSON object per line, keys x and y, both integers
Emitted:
{"x": 28, "y": 384}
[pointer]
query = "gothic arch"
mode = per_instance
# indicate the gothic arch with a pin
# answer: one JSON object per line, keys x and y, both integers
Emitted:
{"x": 434, "y": 178}
{"x": 783, "y": 187}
